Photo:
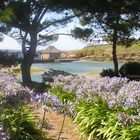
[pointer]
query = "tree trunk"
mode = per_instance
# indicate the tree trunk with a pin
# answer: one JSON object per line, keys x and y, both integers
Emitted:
{"x": 28, "y": 59}
{"x": 25, "y": 68}
{"x": 114, "y": 53}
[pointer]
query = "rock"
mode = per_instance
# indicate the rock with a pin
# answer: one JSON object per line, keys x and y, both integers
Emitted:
{"x": 48, "y": 76}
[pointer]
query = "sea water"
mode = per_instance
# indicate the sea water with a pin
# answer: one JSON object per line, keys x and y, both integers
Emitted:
{"x": 78, "y": 68}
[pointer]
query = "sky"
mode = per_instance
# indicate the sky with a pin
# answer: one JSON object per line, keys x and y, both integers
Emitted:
{"x": 63, "y": 43}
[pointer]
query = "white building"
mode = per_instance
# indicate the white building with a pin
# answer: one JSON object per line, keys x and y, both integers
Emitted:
{"x": 19, "y": 54}
{"x": 50, "y": 53}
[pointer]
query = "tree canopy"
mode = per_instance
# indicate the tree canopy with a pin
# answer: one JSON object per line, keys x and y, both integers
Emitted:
{"x": 112, "y": 20}
{"x": 5, "y": 16}
{"x": 34, "y": 23}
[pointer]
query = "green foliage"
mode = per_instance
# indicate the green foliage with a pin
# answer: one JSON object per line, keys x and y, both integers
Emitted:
{"x": 79, "y": 54}
{"x": 130, "y": 69}
{"x": 34, "y": 27}
{"x": 67, "y": 98}
{"x": 82, "y": 33}
{"x": 112, "y": 20}
{"x": 107, "y": 72}
{"x": 102, "y": 50}
{"x": 63, "y": 96}
{"x": 6, "y": 14}
{"x": 122, "y": 16}
{"x": 6, "y": 60}
{"x": 84, "y": 52}
{"x": 96, "y": 119}
{"x": 127, "y": 42}
{"x": 89, "y": 117}
{"x": 19, "y": 124}
{"x": 101, "y": 114}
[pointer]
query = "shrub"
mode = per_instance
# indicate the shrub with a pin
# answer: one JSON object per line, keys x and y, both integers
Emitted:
{"x": 7, "y": 61}
{"x": 84, "y": 53}
{"x": 130, "y": 69}
{"x": 15, "y": 118}
{"x": 107, "y": 72}
{"x": 98, "y": 120}
{"x": 12, "y": 93}
{"x": 107, "y": 108}
{"x": 90, "y": 116}
{"x": 19, "y": 124}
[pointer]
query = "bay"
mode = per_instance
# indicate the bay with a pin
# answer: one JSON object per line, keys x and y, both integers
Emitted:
{"x": 77, "y": 67}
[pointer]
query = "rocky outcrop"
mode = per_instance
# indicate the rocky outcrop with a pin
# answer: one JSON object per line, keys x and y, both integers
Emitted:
{"x": 48, "y": 76}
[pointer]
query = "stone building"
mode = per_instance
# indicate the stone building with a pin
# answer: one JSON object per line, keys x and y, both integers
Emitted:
{"x": 51, "y": 53}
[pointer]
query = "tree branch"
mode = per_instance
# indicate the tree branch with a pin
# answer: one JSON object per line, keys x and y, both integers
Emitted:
{"x": 41, "y": 15}
{"x": 62, "y": 20}
{"x": 24, "y": 51}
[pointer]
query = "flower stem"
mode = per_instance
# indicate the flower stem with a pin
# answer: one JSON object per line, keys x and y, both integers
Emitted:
{"x": 62, "y": 126}
{"x": 43, "y": 119}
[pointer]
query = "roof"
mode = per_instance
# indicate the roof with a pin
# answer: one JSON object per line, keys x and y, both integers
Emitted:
{"x": 52, "y": 49}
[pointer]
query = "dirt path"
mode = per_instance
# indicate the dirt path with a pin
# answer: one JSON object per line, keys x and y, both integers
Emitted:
{"x": 52, "y": 131}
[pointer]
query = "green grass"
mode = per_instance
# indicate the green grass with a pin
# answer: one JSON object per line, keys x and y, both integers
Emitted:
{"x": 34, "y": 70}
{"x": 121, "y": 49}
{"x": 92, "y": 74}
{"x": 105, "y": 51}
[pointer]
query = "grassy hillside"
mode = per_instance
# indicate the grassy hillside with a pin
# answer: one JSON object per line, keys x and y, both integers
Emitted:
{"x": 104, "y": 52}
{"x": 134, "y": 48}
